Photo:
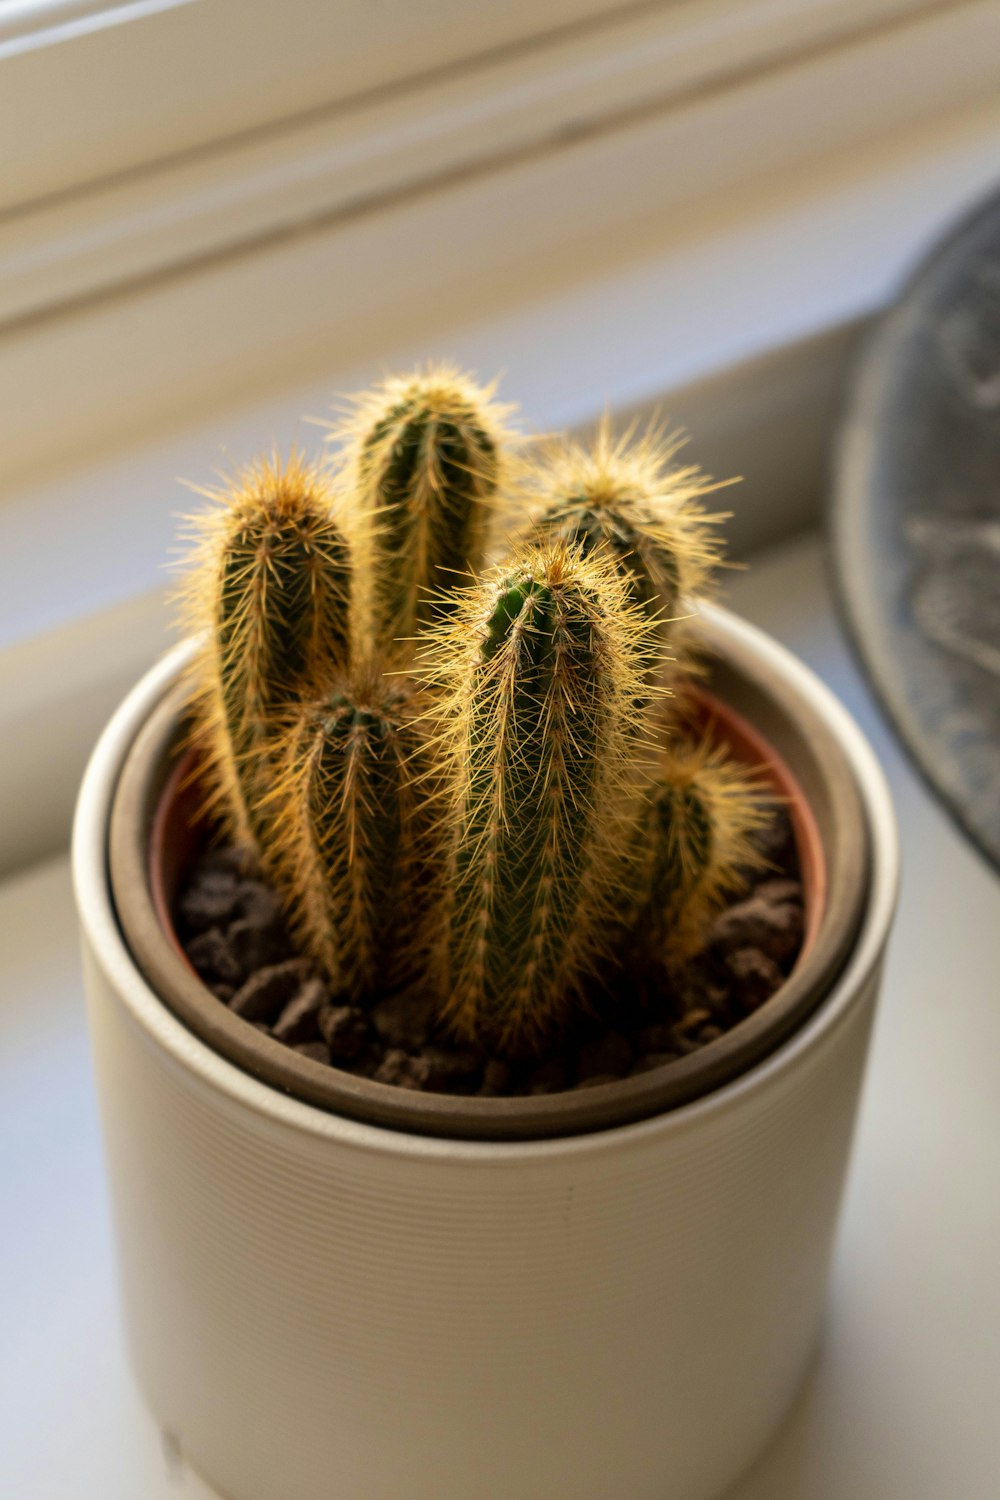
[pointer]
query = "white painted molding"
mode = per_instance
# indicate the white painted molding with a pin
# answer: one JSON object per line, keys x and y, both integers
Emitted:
{"x": 342, "y": 161}
{"x": 117, "y": 87}
{"x": 29, "y": 25}
{"x": 89, "y": 90}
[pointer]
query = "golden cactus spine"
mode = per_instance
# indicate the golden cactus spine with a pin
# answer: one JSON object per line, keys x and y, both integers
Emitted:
{"x": 352, "y": 831}
{"x": 541, "y": 667}
{"x": 628, "y": 497}
{"x": 704, "y": 812}
{"x": 269, "y": 596}
{"x": 423, "y": 456}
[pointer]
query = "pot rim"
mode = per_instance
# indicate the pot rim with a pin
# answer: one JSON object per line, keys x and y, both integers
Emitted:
{"x": 99, "y": 920}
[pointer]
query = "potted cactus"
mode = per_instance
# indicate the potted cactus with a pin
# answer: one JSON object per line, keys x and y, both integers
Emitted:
{"x": 481, "y": 955}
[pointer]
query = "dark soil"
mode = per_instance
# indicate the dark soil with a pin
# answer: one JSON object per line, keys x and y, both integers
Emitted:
{"x": 231, "y": 927}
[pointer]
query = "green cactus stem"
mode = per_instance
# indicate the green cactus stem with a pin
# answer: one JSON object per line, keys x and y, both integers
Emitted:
{"x": 703, "y": 814}
{"x": 540, "y": 667}
{"x": 422, "y": 455}
{"x": 268, "y": 593}
{"x": 353, "y": 832}
{"x": 629, "y": 497}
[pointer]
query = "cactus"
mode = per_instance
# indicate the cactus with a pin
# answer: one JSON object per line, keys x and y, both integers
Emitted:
{"x": 704, "y": 810}
{"x": 352, "y": 830}
{"x": 626, "y": 496}
{"x": 268, "y": 594}
{"x": 540, "y": 667}
{"x": 422, "y": 456}
{"x": 506, "y": 833}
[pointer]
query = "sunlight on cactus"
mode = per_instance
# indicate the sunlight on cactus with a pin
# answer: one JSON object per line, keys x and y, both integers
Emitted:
{"x": 423, "y": 458}
{"x": 268, "y": 593}
{"x": 541, "y": 667}
{"x": 352, "y": 830}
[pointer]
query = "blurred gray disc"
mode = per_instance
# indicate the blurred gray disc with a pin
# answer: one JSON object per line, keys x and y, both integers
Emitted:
{"x": 916, "y": 521}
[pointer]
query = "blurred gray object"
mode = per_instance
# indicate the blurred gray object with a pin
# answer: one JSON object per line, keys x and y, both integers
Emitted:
{"x": 916, "y": 521}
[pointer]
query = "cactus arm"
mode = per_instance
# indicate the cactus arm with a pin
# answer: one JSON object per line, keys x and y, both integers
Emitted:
{"x": 428, "y": 476}
{"x": 423, "y": 456}
{"x": 349, "y": 807}
{"x": 268, "y": 594}
{"x": 704, "y": 812}
{"x": 541, "y": 669}
{"x": 628, "y": 496}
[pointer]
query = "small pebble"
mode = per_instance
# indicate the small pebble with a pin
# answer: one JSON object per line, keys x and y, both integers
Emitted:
{"x": 702, "y": 986}
{"x": 345, "y": 1030}
{"x": 213, "y": 957}
{"x": 691, "y": 1022}
{"x": 298, "y": 1022}
{"x": 776, "y": 930}
{"x": 756, "y": 975}
{"x": 211, "y": 902}
{"x": 404, "y": 1071}
{"x": 777, "y": 892}
{"x": 265, "y": 993}
{"x": 405, "y": 1021}
{"x": 256, "y": 946}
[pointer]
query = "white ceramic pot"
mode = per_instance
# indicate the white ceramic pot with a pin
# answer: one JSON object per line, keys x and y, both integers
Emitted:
{"x": 328, "y": 1310}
